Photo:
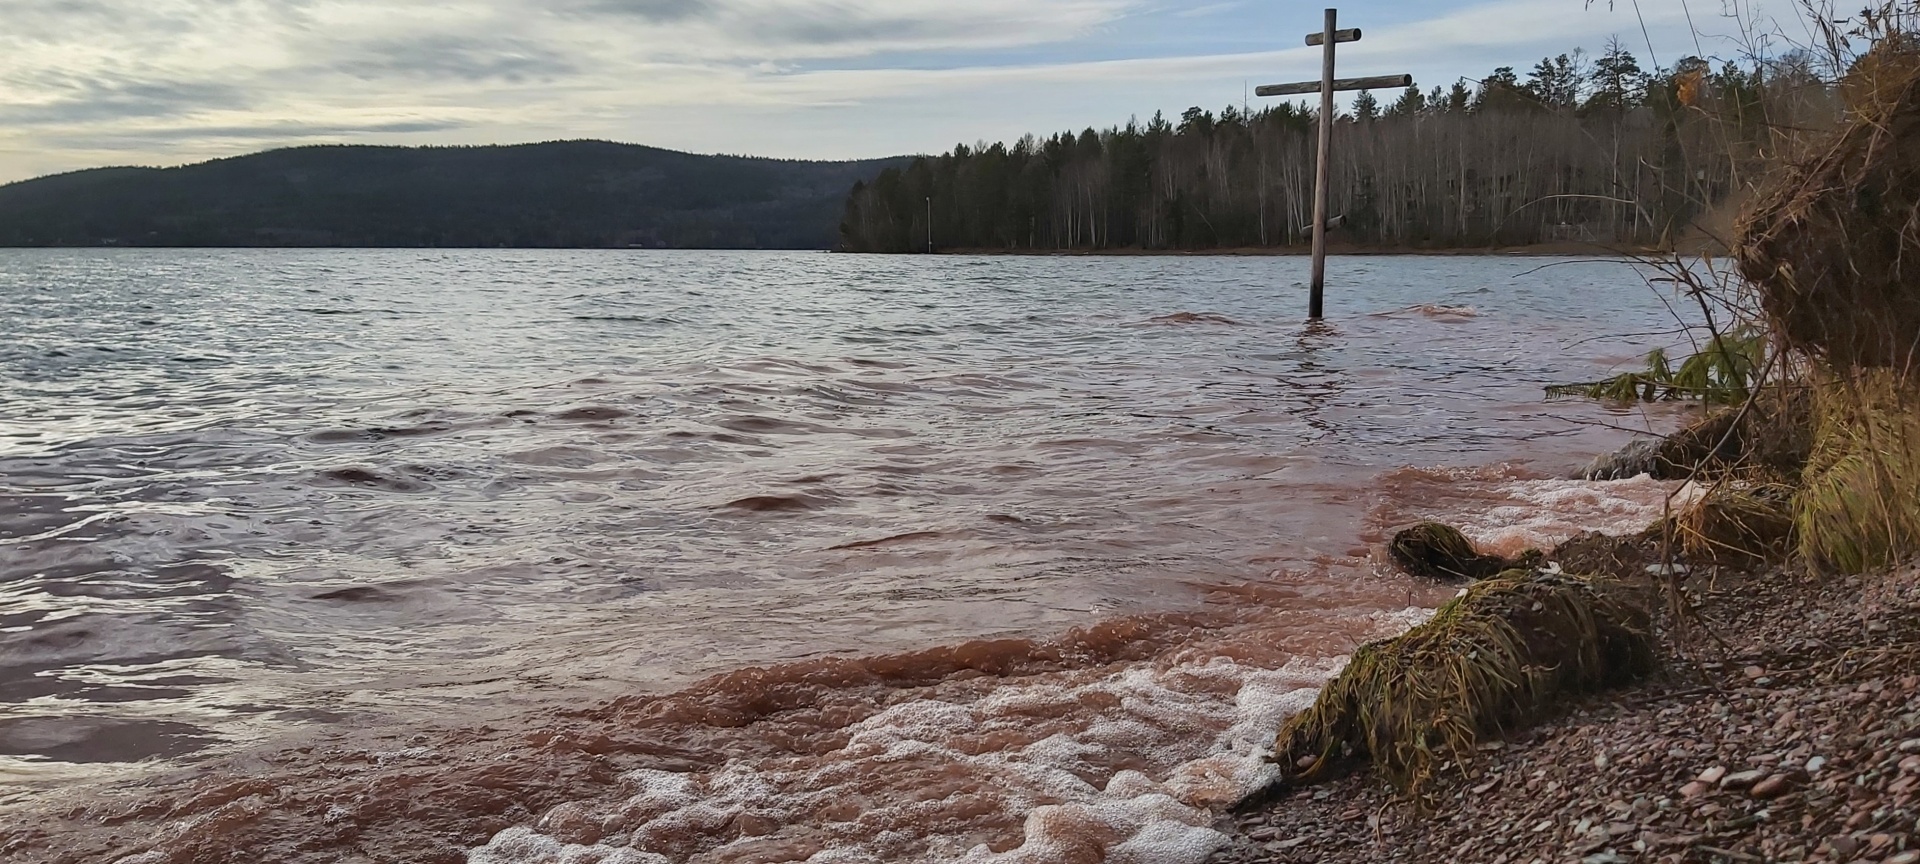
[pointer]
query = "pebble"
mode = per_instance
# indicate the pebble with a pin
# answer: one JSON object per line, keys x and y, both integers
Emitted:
{"x": 1713, "y": 775}
{"x": 1910, "y": 765}
{"x": 1911, "y": 745}
{"x": 1695, "y": 789}
{"x": 1742, "y": 780}
{"x": 1772, "y": 787}
{"x": 1905, "y": 858}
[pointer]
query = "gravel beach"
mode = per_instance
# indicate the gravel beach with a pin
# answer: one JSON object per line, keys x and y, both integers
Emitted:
{"x": 1787, "y": 728}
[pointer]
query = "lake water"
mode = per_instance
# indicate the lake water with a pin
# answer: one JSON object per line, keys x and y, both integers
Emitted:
{"x": 1088, "y": 526}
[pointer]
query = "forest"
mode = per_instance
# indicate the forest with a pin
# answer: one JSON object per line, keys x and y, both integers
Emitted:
{"x": 556, "y": 194}
{"x": 1582, "y": 149}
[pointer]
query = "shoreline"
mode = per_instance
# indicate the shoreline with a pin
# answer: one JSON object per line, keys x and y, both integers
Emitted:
{"x": 1537, "y": 250}
{"x": 1761, "y": 740}
{"x": 565, "y": 759}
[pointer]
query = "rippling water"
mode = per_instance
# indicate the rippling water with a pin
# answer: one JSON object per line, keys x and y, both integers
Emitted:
{"x": 248, "y": 491}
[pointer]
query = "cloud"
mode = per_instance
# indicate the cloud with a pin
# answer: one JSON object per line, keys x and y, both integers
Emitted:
{"x": 459, "y": 58}
{"x": 105, "y": 100}
{"x": 170, "y": 81}
{"x": 650, "y": 10}
{"x": 296, "y": 131}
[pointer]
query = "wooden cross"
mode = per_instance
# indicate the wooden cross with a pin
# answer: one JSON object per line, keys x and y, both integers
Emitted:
{"x": 1326, "y": 87}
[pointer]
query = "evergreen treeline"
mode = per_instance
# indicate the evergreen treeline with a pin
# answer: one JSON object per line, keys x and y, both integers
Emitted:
{"x": 1583, "y": 149}
{"x": 558, "y": 194}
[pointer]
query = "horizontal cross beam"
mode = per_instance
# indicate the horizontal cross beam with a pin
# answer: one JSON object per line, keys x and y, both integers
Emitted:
{"x": 1348, "y": 35}
{"x": 1378, "y": 82}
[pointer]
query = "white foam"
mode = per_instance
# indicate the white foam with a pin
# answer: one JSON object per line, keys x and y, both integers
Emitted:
{"x": 1127, "y": 766}
{"x": 1546, "y": 512}
{"x": 523, "y": 846}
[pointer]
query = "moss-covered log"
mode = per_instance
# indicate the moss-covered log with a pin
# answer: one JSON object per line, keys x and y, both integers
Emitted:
{"x": 1431, "y": 550}
{"x": 1507, "y": 651}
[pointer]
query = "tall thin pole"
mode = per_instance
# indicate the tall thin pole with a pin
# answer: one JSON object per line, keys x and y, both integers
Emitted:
{"x": 929, "y": 224}
{"x": 1321, "y": 168}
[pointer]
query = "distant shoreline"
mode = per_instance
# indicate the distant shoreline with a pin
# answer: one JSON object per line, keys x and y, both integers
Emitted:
{"x": 1531, "y": 250}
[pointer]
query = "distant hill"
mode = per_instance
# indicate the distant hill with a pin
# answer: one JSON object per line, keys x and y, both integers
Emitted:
{"x": 558, "y": 194}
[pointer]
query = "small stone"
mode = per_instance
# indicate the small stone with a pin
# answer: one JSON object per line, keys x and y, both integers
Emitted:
{"x": 1713, "y": 775}
{"x": 1815, "y": 764}
{"x": 1306, "y": 763}
{"x": 1844, "y": 846}
{"x": 1352, "y": 816}
{"x": 1772, "y": 787}
{"x": 1905, "y": 858}
{"x": 1742, "y": 780}
{"x": 1607, "y": 857}
{"x": 1264, "y": 833}
{"x": 1600, "y": 760}
{"x": 1695, "y": 789}
{"x": 1879, "y": 842}
{"x": 1910, "y": 765}
{"x": 1911, "y": 745}
{"x": 1285, "y": 845}
{"x": 1755, "y": 672}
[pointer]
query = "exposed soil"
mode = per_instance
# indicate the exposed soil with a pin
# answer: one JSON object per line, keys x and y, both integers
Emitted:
{"x": 1786, "y": 728}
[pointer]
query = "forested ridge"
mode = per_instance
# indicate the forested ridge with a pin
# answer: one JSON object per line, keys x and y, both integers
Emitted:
{"x": 1581, "y": 149}
{"x": 557, "y": 194}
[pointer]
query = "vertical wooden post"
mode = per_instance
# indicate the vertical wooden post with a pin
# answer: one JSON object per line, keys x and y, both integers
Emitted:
{"x": 1321, "y": 168}
{"x": 1326, "y": 87}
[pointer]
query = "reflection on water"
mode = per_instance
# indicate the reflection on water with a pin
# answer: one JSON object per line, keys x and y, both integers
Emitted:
{"x": 246, "y": 491}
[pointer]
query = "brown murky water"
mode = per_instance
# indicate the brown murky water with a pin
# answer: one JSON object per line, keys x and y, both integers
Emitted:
{"x": 582, "y": 557}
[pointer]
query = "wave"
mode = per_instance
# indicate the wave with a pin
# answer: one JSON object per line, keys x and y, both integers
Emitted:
{"x": 1434, "y": 310}
{"x": 1194, "y": 318}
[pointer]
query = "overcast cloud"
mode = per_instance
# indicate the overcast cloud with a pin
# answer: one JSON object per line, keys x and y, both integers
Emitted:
{"x": 85, "y": 83}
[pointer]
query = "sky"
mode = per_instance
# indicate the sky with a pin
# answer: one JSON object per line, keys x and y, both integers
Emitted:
{"x": 89, "y": 83}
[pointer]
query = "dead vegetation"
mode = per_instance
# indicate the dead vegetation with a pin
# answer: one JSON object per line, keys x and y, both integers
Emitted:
{"x": 1494, "y": 659}
{"x": 1811, "y": 460}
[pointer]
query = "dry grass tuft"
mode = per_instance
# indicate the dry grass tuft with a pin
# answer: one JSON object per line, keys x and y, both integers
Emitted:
{"x": 1740, "y": 522}
{"x": 1501, "y": 655}
{"x": 1859, "y": 503}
